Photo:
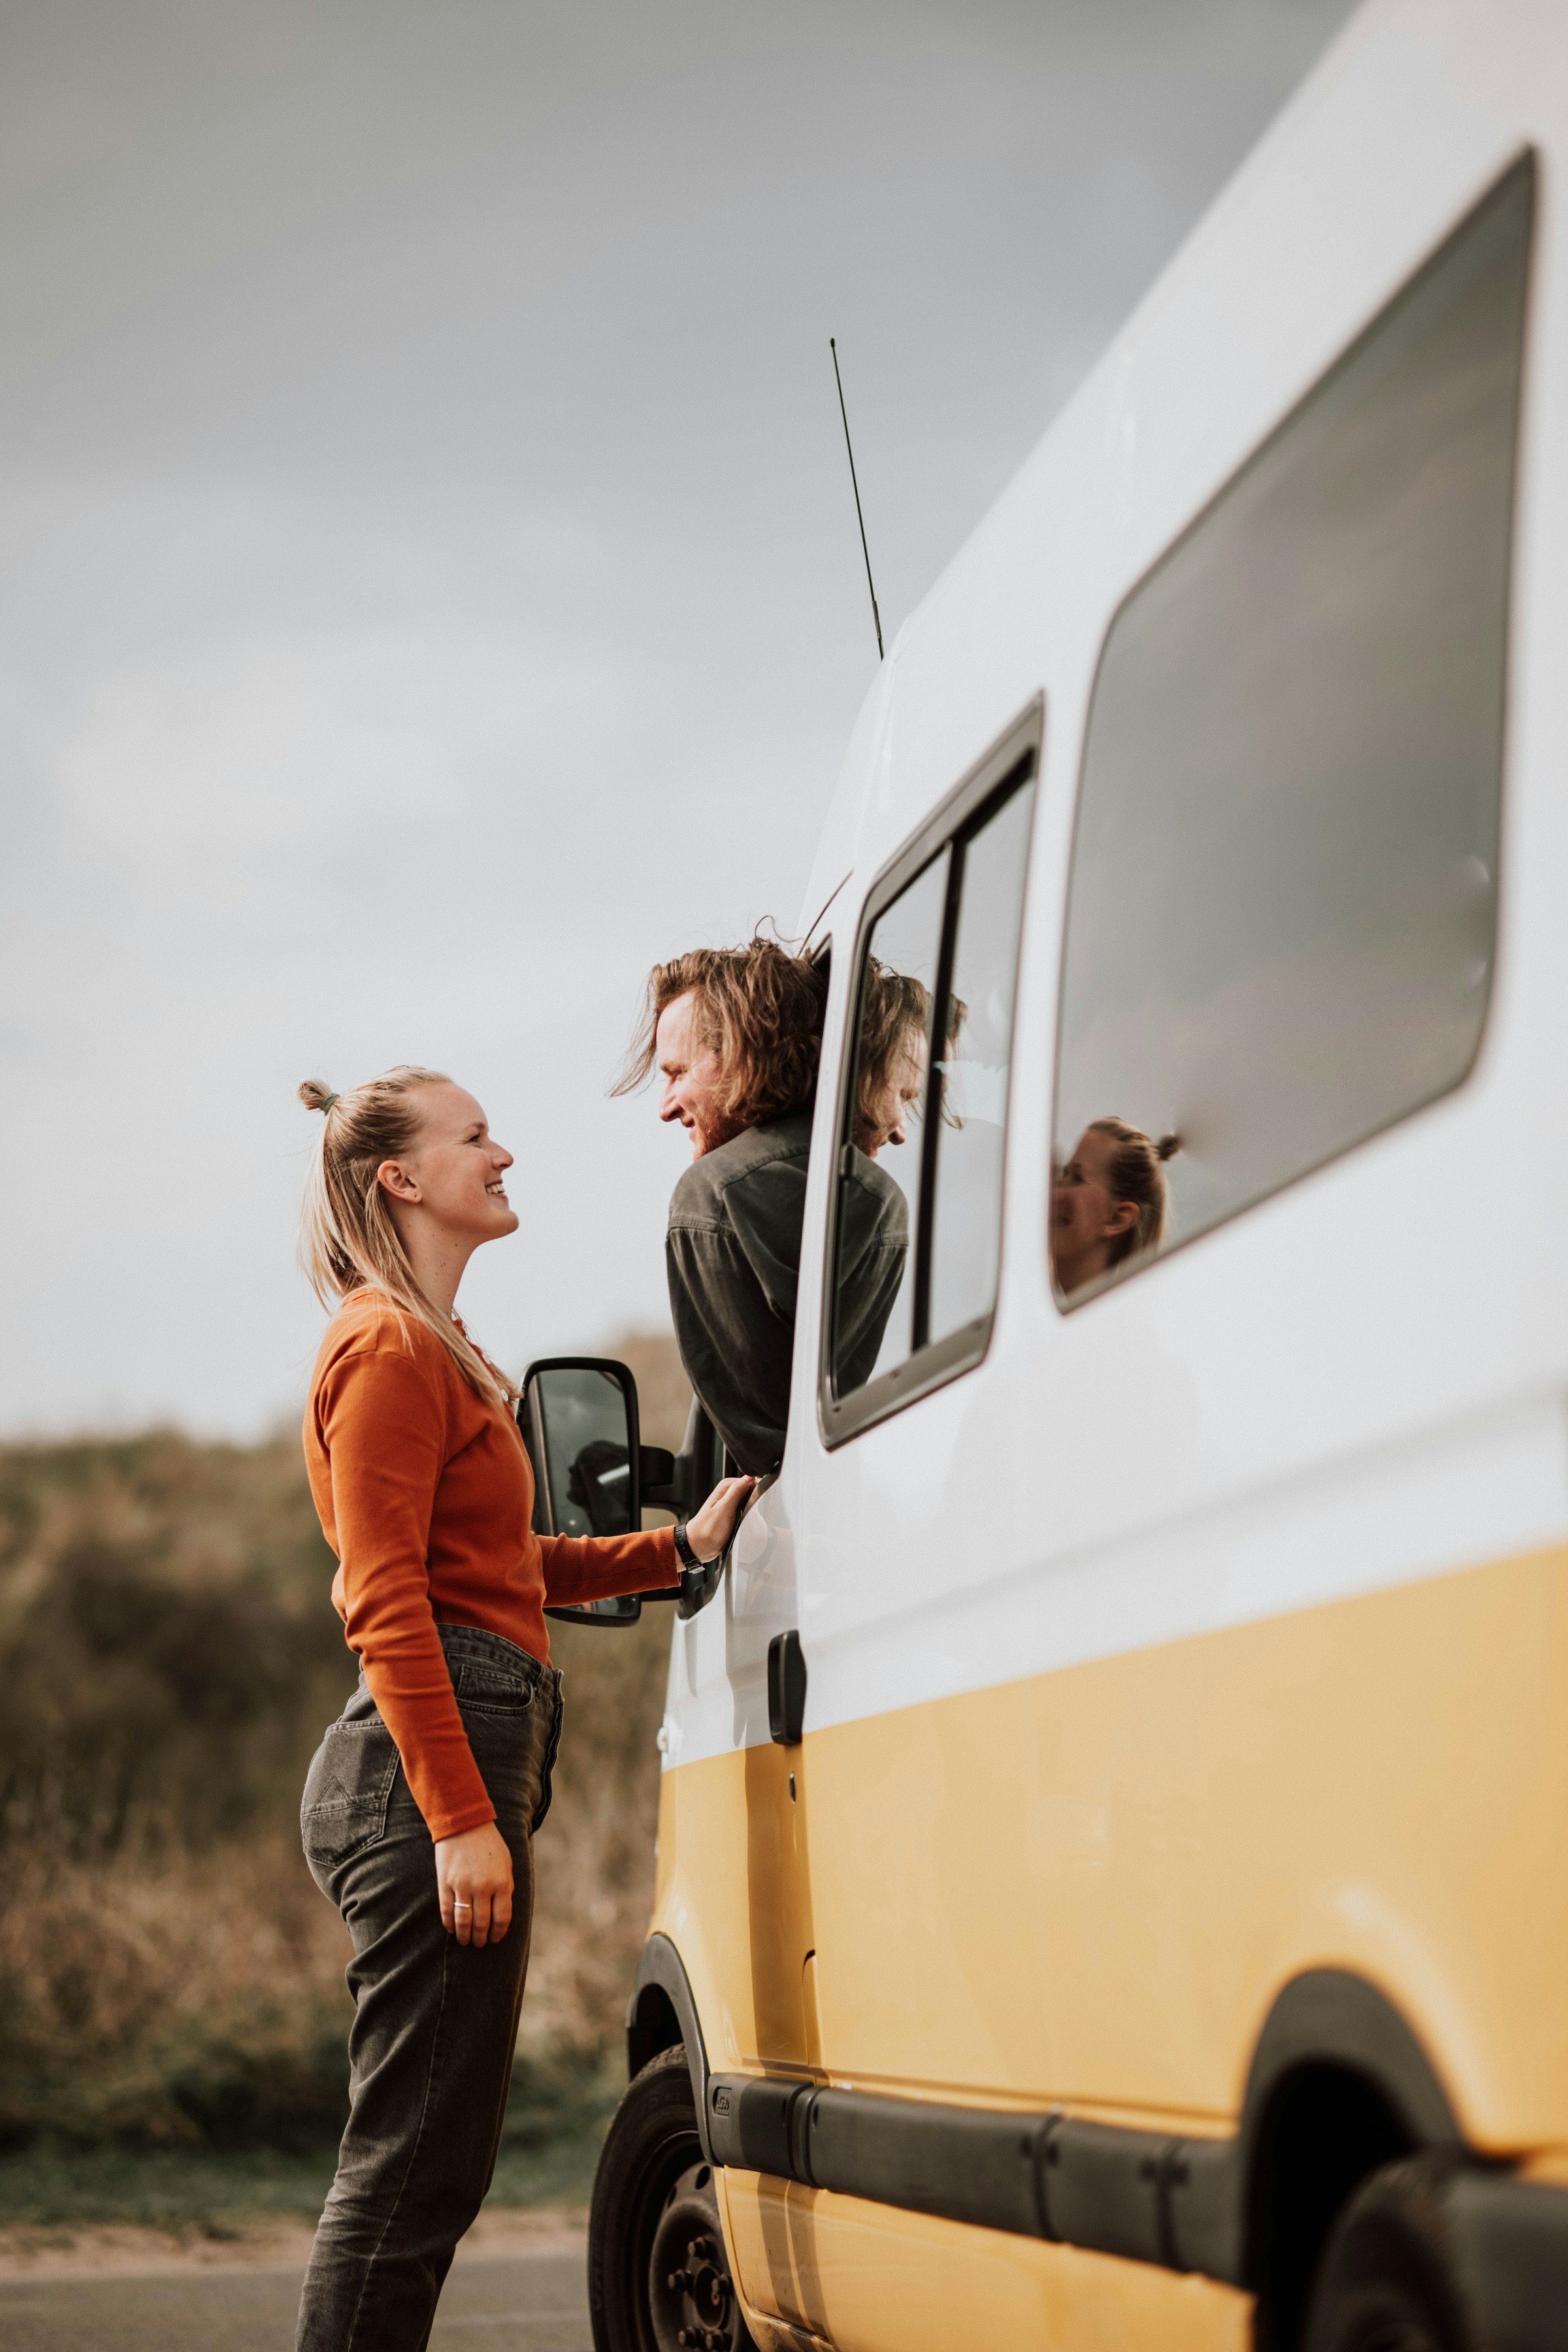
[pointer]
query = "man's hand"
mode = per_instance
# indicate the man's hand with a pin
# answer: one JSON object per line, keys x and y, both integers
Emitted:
{"x": 711, "y": 1528}
{"x": 473, "y": 1879}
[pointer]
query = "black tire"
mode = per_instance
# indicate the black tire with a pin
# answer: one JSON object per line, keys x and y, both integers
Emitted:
{"x": 1388, "y": 2281}
{"x": 658, "y": 2276}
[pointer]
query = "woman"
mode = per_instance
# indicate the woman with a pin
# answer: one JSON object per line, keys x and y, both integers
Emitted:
{"x": 422, "y": 1801}
{"x": 1108, "y": 1203}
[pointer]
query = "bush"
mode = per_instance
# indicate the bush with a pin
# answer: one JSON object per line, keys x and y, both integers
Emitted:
{"x": 167, "y": 1640}
{"x": 169, "y": 1974}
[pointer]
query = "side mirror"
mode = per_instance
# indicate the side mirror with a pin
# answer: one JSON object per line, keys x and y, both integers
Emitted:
{"x": 578, "y": 1415}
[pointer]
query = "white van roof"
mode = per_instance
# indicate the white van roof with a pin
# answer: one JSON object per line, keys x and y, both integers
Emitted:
{"x": 1414, "y": 110}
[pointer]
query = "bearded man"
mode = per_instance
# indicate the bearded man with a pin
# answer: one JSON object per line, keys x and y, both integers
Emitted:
{"x": 736, "y": 1036}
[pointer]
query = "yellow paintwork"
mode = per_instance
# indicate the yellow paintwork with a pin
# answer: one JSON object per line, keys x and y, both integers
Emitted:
{"x": 864, "y": 2276}
{"x": 1085, "y": 1889}
{"x": 732, "y": 1886}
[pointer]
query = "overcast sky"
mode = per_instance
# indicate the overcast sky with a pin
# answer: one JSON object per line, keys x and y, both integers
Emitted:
{"x": 429, "y": 589}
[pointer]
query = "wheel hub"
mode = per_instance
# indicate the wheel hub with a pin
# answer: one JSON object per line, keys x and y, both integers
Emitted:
{"x": 691, "y": 2296}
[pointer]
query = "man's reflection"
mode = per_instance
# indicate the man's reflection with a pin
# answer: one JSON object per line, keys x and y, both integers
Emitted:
{"x": 1108, "y": 1202}
{"x": 873, "y": 1213}
{"x": 893, "y": 1064}
{"x": 600, "y": 1485}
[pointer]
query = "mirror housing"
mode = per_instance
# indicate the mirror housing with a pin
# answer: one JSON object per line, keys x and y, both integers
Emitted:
{"x": 697, "y": 1468}
{"x": 578, "y": 1417}
{"x": 682, "y": 1483}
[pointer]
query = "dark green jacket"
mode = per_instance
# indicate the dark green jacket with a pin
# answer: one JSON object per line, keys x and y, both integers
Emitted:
{"x": 732, "y": 1255}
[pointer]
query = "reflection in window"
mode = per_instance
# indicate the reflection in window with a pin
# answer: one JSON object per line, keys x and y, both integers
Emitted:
{"x": 1283, "y": 909}
{"x": 576, "y": 1434}
{"x": 1110, "y": 1202}
{"x": 877, "y": 1209}
{"x": 966, "y": 1192}
{"x": 918, "y": 1218}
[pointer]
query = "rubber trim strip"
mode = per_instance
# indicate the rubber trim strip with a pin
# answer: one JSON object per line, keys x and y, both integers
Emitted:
{"x": 1143, "y": 2195}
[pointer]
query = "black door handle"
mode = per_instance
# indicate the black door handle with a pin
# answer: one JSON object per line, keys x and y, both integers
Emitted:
{"x": 786, "y": 1689}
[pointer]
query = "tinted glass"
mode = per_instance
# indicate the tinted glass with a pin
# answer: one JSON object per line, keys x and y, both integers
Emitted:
{"x": 881, "y": 1169}
{"x": 581, "y": 1416}
{"x": 971, "y": 1072}
{"x": 1282, "y": 907}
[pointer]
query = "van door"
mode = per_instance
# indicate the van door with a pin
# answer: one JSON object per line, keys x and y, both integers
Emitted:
{"x": 913, "y": 1268}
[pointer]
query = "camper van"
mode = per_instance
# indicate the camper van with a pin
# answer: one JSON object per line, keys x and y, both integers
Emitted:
{"x": 1112, "y": 1875}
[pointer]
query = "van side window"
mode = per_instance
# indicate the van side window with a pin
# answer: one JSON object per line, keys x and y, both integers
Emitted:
{"x": 882, "y": 1160}
{"x": 1282, "y": 906}
{"x": 969, "y": 1081}
{"x": 917, "y": 1223}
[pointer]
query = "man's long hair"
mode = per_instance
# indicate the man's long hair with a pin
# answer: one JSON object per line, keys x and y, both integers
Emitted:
{"x": 759, "y": 1008}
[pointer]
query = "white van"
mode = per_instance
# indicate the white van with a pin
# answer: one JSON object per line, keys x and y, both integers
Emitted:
{"x": 1113, "y": 1856}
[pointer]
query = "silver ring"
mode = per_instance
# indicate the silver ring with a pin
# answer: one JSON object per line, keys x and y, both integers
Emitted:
{"x": 461, "y": 1906}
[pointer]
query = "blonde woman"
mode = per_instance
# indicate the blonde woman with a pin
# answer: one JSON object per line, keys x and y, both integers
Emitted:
{"x": 1108, "y": 1202}
{"x": 422, "y": 1801}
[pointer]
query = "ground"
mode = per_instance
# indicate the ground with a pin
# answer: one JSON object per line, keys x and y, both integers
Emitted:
{"x": 518, "y": 2286}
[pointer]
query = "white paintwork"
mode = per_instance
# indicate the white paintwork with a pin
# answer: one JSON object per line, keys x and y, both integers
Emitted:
{"x": 1363, "y": 1380}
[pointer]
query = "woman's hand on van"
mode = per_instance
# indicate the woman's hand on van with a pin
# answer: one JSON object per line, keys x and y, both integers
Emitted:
{"x": 711, "y": 1528}
{"x": 473, "y": 1879}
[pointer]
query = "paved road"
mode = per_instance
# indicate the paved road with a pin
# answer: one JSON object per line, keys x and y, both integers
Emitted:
{"x": 531, "y": 2302}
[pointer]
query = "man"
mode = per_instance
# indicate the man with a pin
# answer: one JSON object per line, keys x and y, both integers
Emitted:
{"x": 736, "y": 1035}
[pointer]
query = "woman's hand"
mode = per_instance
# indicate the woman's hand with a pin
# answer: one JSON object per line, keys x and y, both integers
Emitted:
{"x": 711, "y": 1528}
{"x": 473, "y": 1879}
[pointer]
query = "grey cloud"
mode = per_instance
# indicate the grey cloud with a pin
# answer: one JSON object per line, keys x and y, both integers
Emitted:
{"x": 428, "y": 586}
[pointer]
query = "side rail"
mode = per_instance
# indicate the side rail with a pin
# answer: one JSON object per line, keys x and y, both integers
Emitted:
{"x": 1338, "y": 2088}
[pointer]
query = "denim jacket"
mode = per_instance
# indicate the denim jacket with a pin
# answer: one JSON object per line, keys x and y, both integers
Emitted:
{"x": 732, "y": 1255}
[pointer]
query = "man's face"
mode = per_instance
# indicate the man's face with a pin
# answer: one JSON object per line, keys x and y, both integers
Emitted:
{"x": 693, "y": 1079}
{"x": 885, "y": 1110}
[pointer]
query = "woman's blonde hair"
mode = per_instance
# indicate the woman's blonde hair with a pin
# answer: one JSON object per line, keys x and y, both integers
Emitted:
{"x": 348, "y": 1237}
{"x": 1137, "y": 1173}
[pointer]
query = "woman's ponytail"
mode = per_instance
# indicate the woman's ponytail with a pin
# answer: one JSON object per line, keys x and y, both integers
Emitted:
{"x": 1137, "y": 1173}
{"x": 348, "y": 1237}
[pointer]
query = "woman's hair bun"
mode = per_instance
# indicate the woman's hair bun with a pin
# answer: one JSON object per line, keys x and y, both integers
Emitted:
{"x": 316, "y": 1095}
{"x": 1166, "y": 1148}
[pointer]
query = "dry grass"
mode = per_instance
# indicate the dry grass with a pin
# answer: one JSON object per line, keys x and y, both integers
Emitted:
{"x": 172, "y": 1999}
{"x": 169, "y": 1975}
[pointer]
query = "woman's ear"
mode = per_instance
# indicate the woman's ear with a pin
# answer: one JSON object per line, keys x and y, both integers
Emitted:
{"x": 1122, "y": 1219}
{"x": 393, "y": 1178}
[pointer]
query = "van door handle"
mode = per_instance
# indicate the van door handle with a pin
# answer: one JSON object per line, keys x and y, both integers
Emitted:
{"x": 786, "y": 1689}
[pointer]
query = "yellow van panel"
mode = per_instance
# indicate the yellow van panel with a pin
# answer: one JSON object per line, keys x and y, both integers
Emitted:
{"x": 733, "y": 1894}
{"x": 864, "y": 2276}
{"x": 1088, "y": 1887}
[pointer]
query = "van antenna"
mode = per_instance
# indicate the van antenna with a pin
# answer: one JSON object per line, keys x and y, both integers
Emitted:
{"x": 855, "y": 486}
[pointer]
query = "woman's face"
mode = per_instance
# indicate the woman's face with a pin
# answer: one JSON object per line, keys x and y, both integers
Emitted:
{"x": 1086, "y": 1220}
{"x": 453, "y": 1171}
{"x": 885, "y": 1109}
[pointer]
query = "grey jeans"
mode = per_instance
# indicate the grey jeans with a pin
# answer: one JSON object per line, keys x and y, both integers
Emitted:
{"x": 435, "y": 2022}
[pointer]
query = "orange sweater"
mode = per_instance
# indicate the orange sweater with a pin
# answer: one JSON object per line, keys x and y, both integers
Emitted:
{"x": 426, "y": 1494}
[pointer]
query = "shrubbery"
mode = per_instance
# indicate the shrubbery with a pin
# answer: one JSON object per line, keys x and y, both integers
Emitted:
{"x": 169, "y": 1656}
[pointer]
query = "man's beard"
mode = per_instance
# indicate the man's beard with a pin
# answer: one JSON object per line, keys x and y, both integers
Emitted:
{"x": 714, "y": 1131}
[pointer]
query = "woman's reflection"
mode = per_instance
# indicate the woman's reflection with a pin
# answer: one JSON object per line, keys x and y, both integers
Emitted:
{"x": 1108, "y": 1203}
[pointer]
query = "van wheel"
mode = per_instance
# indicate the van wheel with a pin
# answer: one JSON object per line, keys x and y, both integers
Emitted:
{"x": 658, "y": 2277}
{"x": 1387, "y": 2282}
